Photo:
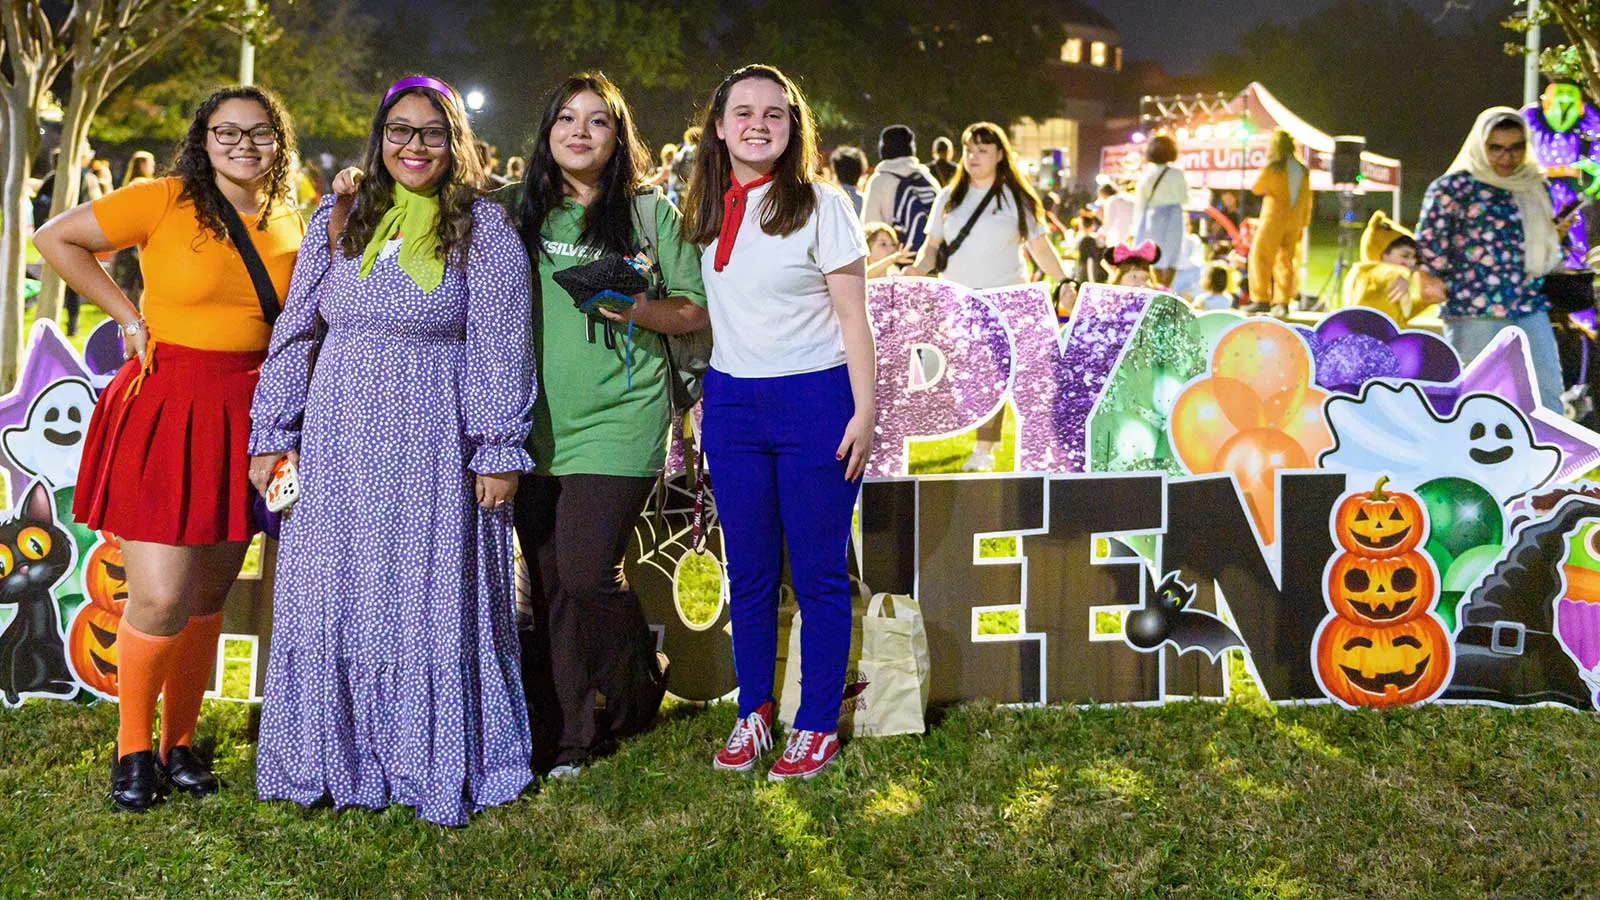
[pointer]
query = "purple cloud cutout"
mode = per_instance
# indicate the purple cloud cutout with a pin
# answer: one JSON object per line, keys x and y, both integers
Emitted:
{"x": 50, "y": 358}
{"x": 1356, "y": 345}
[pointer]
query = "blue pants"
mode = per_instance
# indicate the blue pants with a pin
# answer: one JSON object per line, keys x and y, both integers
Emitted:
{"x": 1469, "y": 335}
{"x": 770, "y": 448}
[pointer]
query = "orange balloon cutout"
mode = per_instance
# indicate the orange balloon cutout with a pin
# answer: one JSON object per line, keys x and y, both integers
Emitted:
{"x": 1271, "y": 358}
{"x": 1254, "y": 457}
{"x": 1198, "y": 426}
{"x": 1308, "y": 426}
{"x": 1239, "y": 403}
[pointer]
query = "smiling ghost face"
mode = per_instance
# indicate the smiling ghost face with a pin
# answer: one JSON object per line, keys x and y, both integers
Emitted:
{"x": 50, "y": 443}
{"x": 1498, "y": 448}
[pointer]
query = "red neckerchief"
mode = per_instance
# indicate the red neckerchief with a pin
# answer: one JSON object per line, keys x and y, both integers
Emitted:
{"x": 733, "y": 204}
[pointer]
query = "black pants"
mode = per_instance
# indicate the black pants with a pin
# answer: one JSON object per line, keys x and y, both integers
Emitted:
{"x": 72, "y": 303}
{"x": 589, "y": 637}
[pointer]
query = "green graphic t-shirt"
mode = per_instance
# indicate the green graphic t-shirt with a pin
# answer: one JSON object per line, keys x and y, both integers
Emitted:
{"x": 587, "y": 419}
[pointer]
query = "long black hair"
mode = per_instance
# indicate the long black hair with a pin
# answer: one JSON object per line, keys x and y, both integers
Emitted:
{"x": 608, "y": 222}
{"x": 459, "y": 188}
{"x": 192, "y": 164}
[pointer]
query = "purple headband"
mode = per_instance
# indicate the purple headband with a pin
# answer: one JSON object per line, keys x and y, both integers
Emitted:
{"x": 416, "y": 81}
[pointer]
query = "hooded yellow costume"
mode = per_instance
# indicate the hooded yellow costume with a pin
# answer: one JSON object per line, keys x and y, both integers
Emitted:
{"x": 1369, "y": 280}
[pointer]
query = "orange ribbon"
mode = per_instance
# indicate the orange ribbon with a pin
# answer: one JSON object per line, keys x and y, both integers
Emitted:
{"x": 148, "y": 367}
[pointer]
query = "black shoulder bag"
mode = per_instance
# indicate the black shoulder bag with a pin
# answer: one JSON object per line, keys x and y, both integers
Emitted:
{"x": 942, "y": 254}
{"x": 265, "y": 292}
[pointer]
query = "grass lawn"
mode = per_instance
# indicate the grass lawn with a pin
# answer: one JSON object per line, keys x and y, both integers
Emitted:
{"x": 1193, "y": 800}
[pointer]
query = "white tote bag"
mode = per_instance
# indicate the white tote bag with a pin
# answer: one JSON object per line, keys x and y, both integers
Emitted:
{"x": 886, "y": 684}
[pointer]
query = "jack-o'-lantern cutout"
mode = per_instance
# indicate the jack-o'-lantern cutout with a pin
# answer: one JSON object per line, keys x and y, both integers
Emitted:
{"x": 1394, "y": 665}
{"x": 1380, "y": 524}
{"x": 1381, "y": 591}
{"x": 92, "y": 639}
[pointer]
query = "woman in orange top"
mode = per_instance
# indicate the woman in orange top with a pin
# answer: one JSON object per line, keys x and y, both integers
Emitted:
{"x": 164, "y": 462}
{"x": 1284, "y": 185}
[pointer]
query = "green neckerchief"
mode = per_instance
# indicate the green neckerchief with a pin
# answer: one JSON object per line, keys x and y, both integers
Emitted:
{"x": 416, "y": 216}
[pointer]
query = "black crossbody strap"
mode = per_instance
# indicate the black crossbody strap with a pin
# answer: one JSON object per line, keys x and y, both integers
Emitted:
{"x": 973, "y": 219}
{"x": 265, "y": 292}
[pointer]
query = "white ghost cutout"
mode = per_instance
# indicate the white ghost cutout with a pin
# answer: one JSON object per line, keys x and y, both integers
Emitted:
{"x": 1392, "y": 430}
{"x": 49, "y": 443}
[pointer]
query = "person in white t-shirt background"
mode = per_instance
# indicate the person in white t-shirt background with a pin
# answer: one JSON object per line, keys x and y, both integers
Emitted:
{"x": 789, "y": 406}
{"x": 1158, "y": 213}
{"x": 1006, "y": 218}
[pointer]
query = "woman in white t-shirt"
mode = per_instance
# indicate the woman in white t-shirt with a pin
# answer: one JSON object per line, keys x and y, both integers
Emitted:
{"x": 1002, "y": 217}
{"x": 788, "y": 400}
{"x": 1159, "y": 198}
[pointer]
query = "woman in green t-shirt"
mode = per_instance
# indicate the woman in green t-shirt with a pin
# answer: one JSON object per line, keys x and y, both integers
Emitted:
{"x": 600, "y": 422}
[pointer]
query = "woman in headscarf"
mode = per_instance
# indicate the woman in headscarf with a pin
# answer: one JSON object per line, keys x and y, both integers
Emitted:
{"x": 1488, "y": 232}
{"x": 1284, "y": 186}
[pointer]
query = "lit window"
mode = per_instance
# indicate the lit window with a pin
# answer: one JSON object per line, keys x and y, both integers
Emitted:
{"x": 1072, "y": 51}
{"x": 1097, "y": 53}
{"x": 1117, "y": 55}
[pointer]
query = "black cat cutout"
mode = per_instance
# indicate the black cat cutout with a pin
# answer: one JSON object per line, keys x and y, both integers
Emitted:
{"x": 1165, "y": 618}
{"x": 35, "y": 553}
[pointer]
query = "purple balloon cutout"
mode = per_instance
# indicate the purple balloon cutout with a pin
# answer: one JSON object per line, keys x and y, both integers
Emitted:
{"x": 103, "y": 351}
{"x": 1347, "y": 351}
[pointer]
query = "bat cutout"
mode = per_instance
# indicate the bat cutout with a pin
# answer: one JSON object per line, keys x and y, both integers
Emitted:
{"x": 1164, "y": 618}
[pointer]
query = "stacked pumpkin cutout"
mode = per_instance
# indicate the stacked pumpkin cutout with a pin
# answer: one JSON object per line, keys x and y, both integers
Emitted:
{"x": 1383, "y": 644}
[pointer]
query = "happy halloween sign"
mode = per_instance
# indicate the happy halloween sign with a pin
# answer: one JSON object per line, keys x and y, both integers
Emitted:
{"x": 1361, "y": 517}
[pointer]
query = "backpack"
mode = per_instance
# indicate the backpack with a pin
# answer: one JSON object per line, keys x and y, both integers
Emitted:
{"x": 688, "y": 355}
{"x": 913, "y": 203}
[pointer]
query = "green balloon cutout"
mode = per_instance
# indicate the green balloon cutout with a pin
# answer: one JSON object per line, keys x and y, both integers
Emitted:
{"x": 1210, "y": 327}
{"x": 1461, "y": 515}
{"x": 1442, "y": 558}
{"x": 1469, "y": 566}
{"x": 1446, "y": 608}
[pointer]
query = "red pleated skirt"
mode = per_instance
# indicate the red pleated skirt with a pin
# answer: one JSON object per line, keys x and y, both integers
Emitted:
{"x": 166, "y": 457}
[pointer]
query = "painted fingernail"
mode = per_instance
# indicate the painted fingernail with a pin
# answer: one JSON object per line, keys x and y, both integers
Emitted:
{"x": 838, "y": 456}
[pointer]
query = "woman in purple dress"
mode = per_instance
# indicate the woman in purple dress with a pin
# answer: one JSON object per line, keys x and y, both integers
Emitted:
{"x": 394, "y": 672}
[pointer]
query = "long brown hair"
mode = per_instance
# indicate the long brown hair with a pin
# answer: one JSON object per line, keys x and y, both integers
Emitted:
{"x": 791, "y": 199}
{"x": 192, "y": 164}
{"x": 1005, "y": 173}
{"x": 460, "y": 187}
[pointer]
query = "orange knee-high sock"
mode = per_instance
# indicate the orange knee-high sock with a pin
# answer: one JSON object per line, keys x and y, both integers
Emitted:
{"x": 142, "y": 661}
{"x": 188, "y": 676}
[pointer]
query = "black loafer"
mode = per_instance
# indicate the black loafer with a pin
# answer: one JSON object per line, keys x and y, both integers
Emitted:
{"x": 135, "y": 783}
{"x": 186, "y": 772}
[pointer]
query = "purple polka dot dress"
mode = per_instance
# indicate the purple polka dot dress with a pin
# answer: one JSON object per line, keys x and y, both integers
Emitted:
{"x": 393, "y": 673}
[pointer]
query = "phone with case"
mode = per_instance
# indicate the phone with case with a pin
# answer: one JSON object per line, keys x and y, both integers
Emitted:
{"x": 284, "y": 489}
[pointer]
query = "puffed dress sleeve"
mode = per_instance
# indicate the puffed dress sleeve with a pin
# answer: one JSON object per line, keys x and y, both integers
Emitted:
{"x": 499, "y": 381}
{"x": 280, "y": 399}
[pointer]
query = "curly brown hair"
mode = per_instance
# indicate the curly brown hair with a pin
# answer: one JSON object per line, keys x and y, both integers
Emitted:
{"x": 192, "y": 164}
{"x": 459, "y": 189}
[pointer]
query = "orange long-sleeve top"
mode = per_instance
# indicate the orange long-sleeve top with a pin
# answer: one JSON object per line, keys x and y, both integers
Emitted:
{"x": 197, "y": 290}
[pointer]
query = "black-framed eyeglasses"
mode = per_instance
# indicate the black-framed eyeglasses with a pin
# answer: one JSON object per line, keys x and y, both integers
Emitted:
{"x": 400, "y": 134}
{"x": 231, "y": 135}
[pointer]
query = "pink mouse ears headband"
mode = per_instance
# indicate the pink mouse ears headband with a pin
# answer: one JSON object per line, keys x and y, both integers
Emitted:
{"x": 1146, "y": 252}
{"x": 425, "y": 81}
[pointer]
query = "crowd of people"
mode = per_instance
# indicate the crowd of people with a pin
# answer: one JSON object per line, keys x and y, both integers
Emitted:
{"x": 403, "y": 336}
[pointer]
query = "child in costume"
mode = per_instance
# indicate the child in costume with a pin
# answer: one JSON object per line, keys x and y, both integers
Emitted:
{"x": 1385, "y": 279}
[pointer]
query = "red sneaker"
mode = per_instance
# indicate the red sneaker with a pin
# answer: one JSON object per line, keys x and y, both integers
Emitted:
{"x": 807, "y": 753}
{"x": 752, "y": 736}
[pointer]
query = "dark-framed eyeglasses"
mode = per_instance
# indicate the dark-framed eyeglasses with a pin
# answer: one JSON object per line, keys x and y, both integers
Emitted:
{"x": 231, "y": 135}
{"x": 400, "y": 134}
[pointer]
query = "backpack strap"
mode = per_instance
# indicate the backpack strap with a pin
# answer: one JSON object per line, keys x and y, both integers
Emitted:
{"x": 646, "y": 227}
{"x": 266, "y": 294}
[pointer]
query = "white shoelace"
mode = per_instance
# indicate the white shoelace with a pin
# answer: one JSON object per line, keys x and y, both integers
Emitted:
{"x": 751, "y": 728}
{"x": 799, "y": 746}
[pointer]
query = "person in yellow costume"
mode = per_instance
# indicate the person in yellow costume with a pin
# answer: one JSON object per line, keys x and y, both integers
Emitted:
{"x": 1385, "y": 278}
{"x": 1284, "y": 184}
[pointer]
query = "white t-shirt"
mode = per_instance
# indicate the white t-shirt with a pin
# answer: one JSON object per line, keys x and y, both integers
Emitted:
{"x": 771, "y": 313}
{"x": 991, "y": 255}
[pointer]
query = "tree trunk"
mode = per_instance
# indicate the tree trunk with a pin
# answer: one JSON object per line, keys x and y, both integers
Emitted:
{"x": 88, "y": 92}
{"x": 21, "y": 123}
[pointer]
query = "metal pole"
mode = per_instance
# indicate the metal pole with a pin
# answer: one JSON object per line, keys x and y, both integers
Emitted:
{"x": 247, "y": 49}
{"x": 1530, "y": 62}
